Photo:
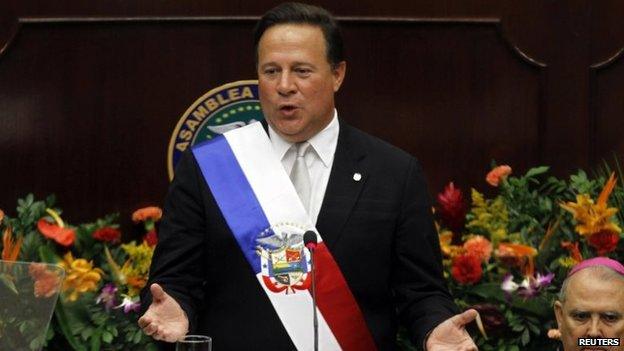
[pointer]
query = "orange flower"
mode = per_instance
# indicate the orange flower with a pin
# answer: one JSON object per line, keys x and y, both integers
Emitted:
{"x": 593, "y": 217}
{"x": 517, "y": 255}
{"x": 497, "y": 175}
{"x": 63, "y": 236}
{"x": 480, "y": 247}
{"x": 575, "y": 253}
{"x": 136, "y": 282}
{"x": 143, "y": 214}
{"x": 47, "y": 282}
{"x": 1, "y": 216}
{"x": 10, "y": 247}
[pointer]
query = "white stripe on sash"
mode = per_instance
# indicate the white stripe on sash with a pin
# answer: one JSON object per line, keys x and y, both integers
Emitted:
{"x": 280, "y": 203}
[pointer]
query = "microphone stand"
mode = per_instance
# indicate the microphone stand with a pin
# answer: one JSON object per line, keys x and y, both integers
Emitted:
{"x": 315, "y": 318}
{"x": 310, "y": 240}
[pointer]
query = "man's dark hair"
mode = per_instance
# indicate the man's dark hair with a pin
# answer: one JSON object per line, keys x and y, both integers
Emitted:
{"x": 298, "y": 13}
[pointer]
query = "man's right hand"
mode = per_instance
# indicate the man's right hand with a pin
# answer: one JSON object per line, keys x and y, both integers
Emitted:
{"x": 164, "y": 319}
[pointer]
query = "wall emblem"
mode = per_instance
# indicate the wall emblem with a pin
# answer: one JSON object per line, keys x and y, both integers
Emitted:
{"x": 221, "y": 109}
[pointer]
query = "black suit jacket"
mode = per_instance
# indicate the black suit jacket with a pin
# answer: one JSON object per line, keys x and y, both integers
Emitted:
{"x": 379, "y": 230}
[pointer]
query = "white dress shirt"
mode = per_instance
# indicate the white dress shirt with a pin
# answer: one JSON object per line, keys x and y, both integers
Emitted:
{"x": 319, "y": 160}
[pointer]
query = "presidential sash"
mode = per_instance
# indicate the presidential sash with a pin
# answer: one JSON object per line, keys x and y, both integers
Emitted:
{"x": 267, "y": 219}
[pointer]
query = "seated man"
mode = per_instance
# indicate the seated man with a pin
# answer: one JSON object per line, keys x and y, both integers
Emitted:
{"x": 591, "y": 305}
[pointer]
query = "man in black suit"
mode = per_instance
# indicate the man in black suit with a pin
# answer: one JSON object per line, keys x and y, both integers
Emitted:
{"x": 367, "y": 198}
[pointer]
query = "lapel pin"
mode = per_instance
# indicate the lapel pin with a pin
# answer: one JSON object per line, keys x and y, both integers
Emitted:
{"x": 357, "y": 177}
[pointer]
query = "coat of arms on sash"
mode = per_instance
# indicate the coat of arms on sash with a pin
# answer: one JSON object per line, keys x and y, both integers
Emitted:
{"x": 284, "y": 259}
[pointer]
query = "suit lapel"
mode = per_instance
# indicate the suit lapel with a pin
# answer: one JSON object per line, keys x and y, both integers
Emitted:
{"x": 343, "y": 188}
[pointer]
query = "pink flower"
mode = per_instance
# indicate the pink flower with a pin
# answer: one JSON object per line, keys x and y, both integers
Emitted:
{"x": 107, "y": 296}
{"x": 130, "y": 304}
{"x": 508, "y": 285}
{"x": 529, "y": 287}
{"x": 497, "y": 175}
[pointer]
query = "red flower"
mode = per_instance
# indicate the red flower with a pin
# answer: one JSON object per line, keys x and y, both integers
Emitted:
{"x": 62, "y": 235}
{"x": 604, "y": 241}
{"x": 107, "y": 234}
{"x": 466, "y": 269}
{"x": 452, "y": 208}
{"x": 151, "y": 237}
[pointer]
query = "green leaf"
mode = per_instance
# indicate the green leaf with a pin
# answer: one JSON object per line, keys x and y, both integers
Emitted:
{"x": 538, "y": 306}
{"x": 86, "y": 333}
{"x": 534, "y": 328}
{"x": 48, "y": 255}
{"x": 63, "y": 323}
{"x": 518, "y": 328}
{"x": 50, "y": 200}
{"x": 526, "y": 337}
{"x": 489, "y": 291}
{"x": 107, "y": 337}
{"x": 96, "y": 340}
{"x": 536, "y": 171}
{"x": 8, "y": 282}
{"x": 137, "y": 336}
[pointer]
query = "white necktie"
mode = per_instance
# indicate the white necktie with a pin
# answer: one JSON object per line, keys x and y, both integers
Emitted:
{"x": 300, "y": 176}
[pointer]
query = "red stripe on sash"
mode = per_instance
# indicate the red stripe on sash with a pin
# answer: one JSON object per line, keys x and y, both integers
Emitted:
{"x": 338, "y": 306}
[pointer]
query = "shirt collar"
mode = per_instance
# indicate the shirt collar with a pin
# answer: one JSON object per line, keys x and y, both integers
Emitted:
{"x": 324, "y": 142}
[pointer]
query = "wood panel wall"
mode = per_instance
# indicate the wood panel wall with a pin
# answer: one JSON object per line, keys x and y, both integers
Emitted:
{"x": 91, "y": 91}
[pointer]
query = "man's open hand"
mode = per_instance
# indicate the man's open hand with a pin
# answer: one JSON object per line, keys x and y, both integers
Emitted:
{"x": 164, "y": 319}
{"x": 451, "y": 335}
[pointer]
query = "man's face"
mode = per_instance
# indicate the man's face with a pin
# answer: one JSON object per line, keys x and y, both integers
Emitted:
{"x": 594, "y": 308}
{"x": 296, "y": 82}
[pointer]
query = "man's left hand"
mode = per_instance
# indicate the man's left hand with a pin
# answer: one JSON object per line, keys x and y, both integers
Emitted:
{"x": 451, "y": 335}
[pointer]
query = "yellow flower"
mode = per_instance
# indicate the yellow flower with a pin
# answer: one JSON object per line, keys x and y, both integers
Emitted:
{"x": 136, "y": 268}
{"x": 567, "y": 262}
{"x": 447, "y": 248}
{"x": 594, "y": 217}
{"x": 490, "y": 216}
{"x": 81, "y": 276}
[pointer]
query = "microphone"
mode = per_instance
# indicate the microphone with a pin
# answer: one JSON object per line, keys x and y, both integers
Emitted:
{"x": 310, "y": 241}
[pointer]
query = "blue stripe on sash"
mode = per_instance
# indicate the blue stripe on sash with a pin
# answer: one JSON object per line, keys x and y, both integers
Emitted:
{"x": 233, "y": 194}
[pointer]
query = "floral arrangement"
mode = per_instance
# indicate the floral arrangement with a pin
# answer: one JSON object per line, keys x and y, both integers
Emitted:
{"x": 507, "y": 256}
{"x": 99, "y": 297}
